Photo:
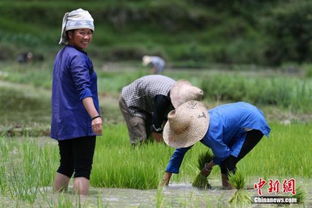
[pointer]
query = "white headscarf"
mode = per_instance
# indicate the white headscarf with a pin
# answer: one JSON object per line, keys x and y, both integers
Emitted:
{"x": 75, "y": 19}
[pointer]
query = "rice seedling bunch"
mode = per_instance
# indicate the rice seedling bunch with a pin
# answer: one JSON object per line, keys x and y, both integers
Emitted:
{"x": 203, "y": 158}
{"x": 201, "y": 181}
{"x": 240, "y": 196}
{"x": 300, "y": 195}
{"x": 237, "y": 180}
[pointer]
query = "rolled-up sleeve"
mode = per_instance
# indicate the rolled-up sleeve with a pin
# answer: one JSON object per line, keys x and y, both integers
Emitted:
{"x": 176, "y": 160}
{"x": 81, "y": 76}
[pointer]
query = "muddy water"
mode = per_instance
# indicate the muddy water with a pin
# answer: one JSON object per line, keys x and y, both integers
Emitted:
{"x": 175, "y": 195}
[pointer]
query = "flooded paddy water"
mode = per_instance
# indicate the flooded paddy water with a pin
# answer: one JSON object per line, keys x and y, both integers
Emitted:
{"x": 175, "y": 195}
{"x": 184, "y": 195}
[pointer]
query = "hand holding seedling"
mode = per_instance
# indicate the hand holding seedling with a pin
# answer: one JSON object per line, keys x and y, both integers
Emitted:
{"x": 205, "y": 164}
{"x": 157, "y": 137}
{"x": 206, "y": 170}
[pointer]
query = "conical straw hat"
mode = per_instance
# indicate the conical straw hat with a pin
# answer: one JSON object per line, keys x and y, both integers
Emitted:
{"x": 186, "y": 125}
{"x": 146, "y": 60}
{"x": 183, "y": 91}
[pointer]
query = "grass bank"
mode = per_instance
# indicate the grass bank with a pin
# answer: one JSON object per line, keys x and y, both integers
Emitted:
{"x": 291, "y": 92}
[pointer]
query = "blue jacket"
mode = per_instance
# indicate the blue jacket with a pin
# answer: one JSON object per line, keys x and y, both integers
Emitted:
{"x": 73, "y": 80}
{"x": 227, "y": 131}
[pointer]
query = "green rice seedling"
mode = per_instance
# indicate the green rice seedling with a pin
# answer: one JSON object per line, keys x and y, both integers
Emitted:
{"x": 22, "y": 186}
{"x": 276, "y": 150}
{"x": 99, "y": 202}
{"x": 4, "y": 151}
{"x": 300, "y": 195}
{"x": 3, "y": 183}
{"x": 159, "y": 198}
{"x": 119, "y": 165}
{"x": 204, "y": 158}
{"x": 237, "y": 180}
{"x": 64, "y": 202}
{"x": 43, "y": 158}
{"x": 240, "y": 196}
{"x": 200, "y": 180}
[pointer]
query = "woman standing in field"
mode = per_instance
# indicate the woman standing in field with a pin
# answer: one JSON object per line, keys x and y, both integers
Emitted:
{"x": 230, "y": 130}
{"x": 75, "y": 107}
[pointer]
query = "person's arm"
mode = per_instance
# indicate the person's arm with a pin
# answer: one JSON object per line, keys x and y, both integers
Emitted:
{"x": 174, "y": 164}
{"x": 220, "y": 150}
{"x": 96, "y": 119}
{"x": 153, "y": 70}
{"x": 80, "y": 71}
{"x": 161, "y": 107}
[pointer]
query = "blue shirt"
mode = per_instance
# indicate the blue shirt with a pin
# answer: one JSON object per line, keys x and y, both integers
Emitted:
{"x": 227, "y": 131}
{"x": 73, "y": 80}
{"x": 158, "y": 63}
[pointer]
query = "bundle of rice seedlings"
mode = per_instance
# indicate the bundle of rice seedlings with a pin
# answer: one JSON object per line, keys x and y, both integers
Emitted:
{"x": 204, "y": 157}
{"x": 240, "y": 196}
{"x": 200, "y": 180}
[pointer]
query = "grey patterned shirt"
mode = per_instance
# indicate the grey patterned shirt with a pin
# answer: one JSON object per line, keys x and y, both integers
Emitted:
{"x": 139, "y": 95}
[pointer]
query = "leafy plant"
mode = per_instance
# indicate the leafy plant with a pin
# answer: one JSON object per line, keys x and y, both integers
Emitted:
{"x": 204, "y": 158}
{"x": 240, "y": 196}
{"x": 300, "y": 195}
{"x": 201, "y": 181}
{"x": 237, "y": 180}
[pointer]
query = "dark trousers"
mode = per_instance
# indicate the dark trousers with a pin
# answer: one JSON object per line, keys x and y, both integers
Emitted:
{"x": 76, "y": 156}
{"x": 252, "y": 139}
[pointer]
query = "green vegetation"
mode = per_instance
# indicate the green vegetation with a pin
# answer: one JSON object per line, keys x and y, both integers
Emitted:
{"x": 282, "y": 91}
{"x": 218, "y": 43}
{"x": 262, "y": 88}
{"x": 240, "y": 196}
{"x": 300, "y": 195}
{"x": 204, "y": 158}
{"x": 198, "y": 32}
{"x": 28, "y": 166}
{"x": 201, "y": 181}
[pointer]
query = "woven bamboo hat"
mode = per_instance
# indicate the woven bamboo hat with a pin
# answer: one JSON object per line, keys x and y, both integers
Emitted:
{"x": 186, "y": 125}
{"x": 183, "y": 91}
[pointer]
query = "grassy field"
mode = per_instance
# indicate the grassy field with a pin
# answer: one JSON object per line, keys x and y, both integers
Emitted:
{"x": 28, "y": 164}
{"x": 29, "y": 159}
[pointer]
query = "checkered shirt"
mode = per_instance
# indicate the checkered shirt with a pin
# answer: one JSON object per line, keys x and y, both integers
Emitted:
{"x": 139, "y": 95}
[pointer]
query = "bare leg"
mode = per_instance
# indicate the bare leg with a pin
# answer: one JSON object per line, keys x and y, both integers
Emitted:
{"x": 81, "y": 185}
{"x": 60, "y": 182}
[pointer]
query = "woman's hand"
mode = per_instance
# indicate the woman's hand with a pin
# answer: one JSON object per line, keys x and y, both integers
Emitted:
{"x": 166, "y": 179}
{"x": 157, "y": 137}
{"x": 97, "y": 126}
{"x": 207, "y": 169}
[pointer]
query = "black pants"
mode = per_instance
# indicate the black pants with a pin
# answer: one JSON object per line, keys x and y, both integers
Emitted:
{"x": 252, "y": 139}
{"x": 76, "y": 156}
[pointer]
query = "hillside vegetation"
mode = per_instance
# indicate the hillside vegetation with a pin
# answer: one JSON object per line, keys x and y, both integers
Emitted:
{"x": 185, "y": 32}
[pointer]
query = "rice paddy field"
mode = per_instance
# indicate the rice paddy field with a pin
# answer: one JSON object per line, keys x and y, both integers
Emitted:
{"x": 124, "y": 176}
